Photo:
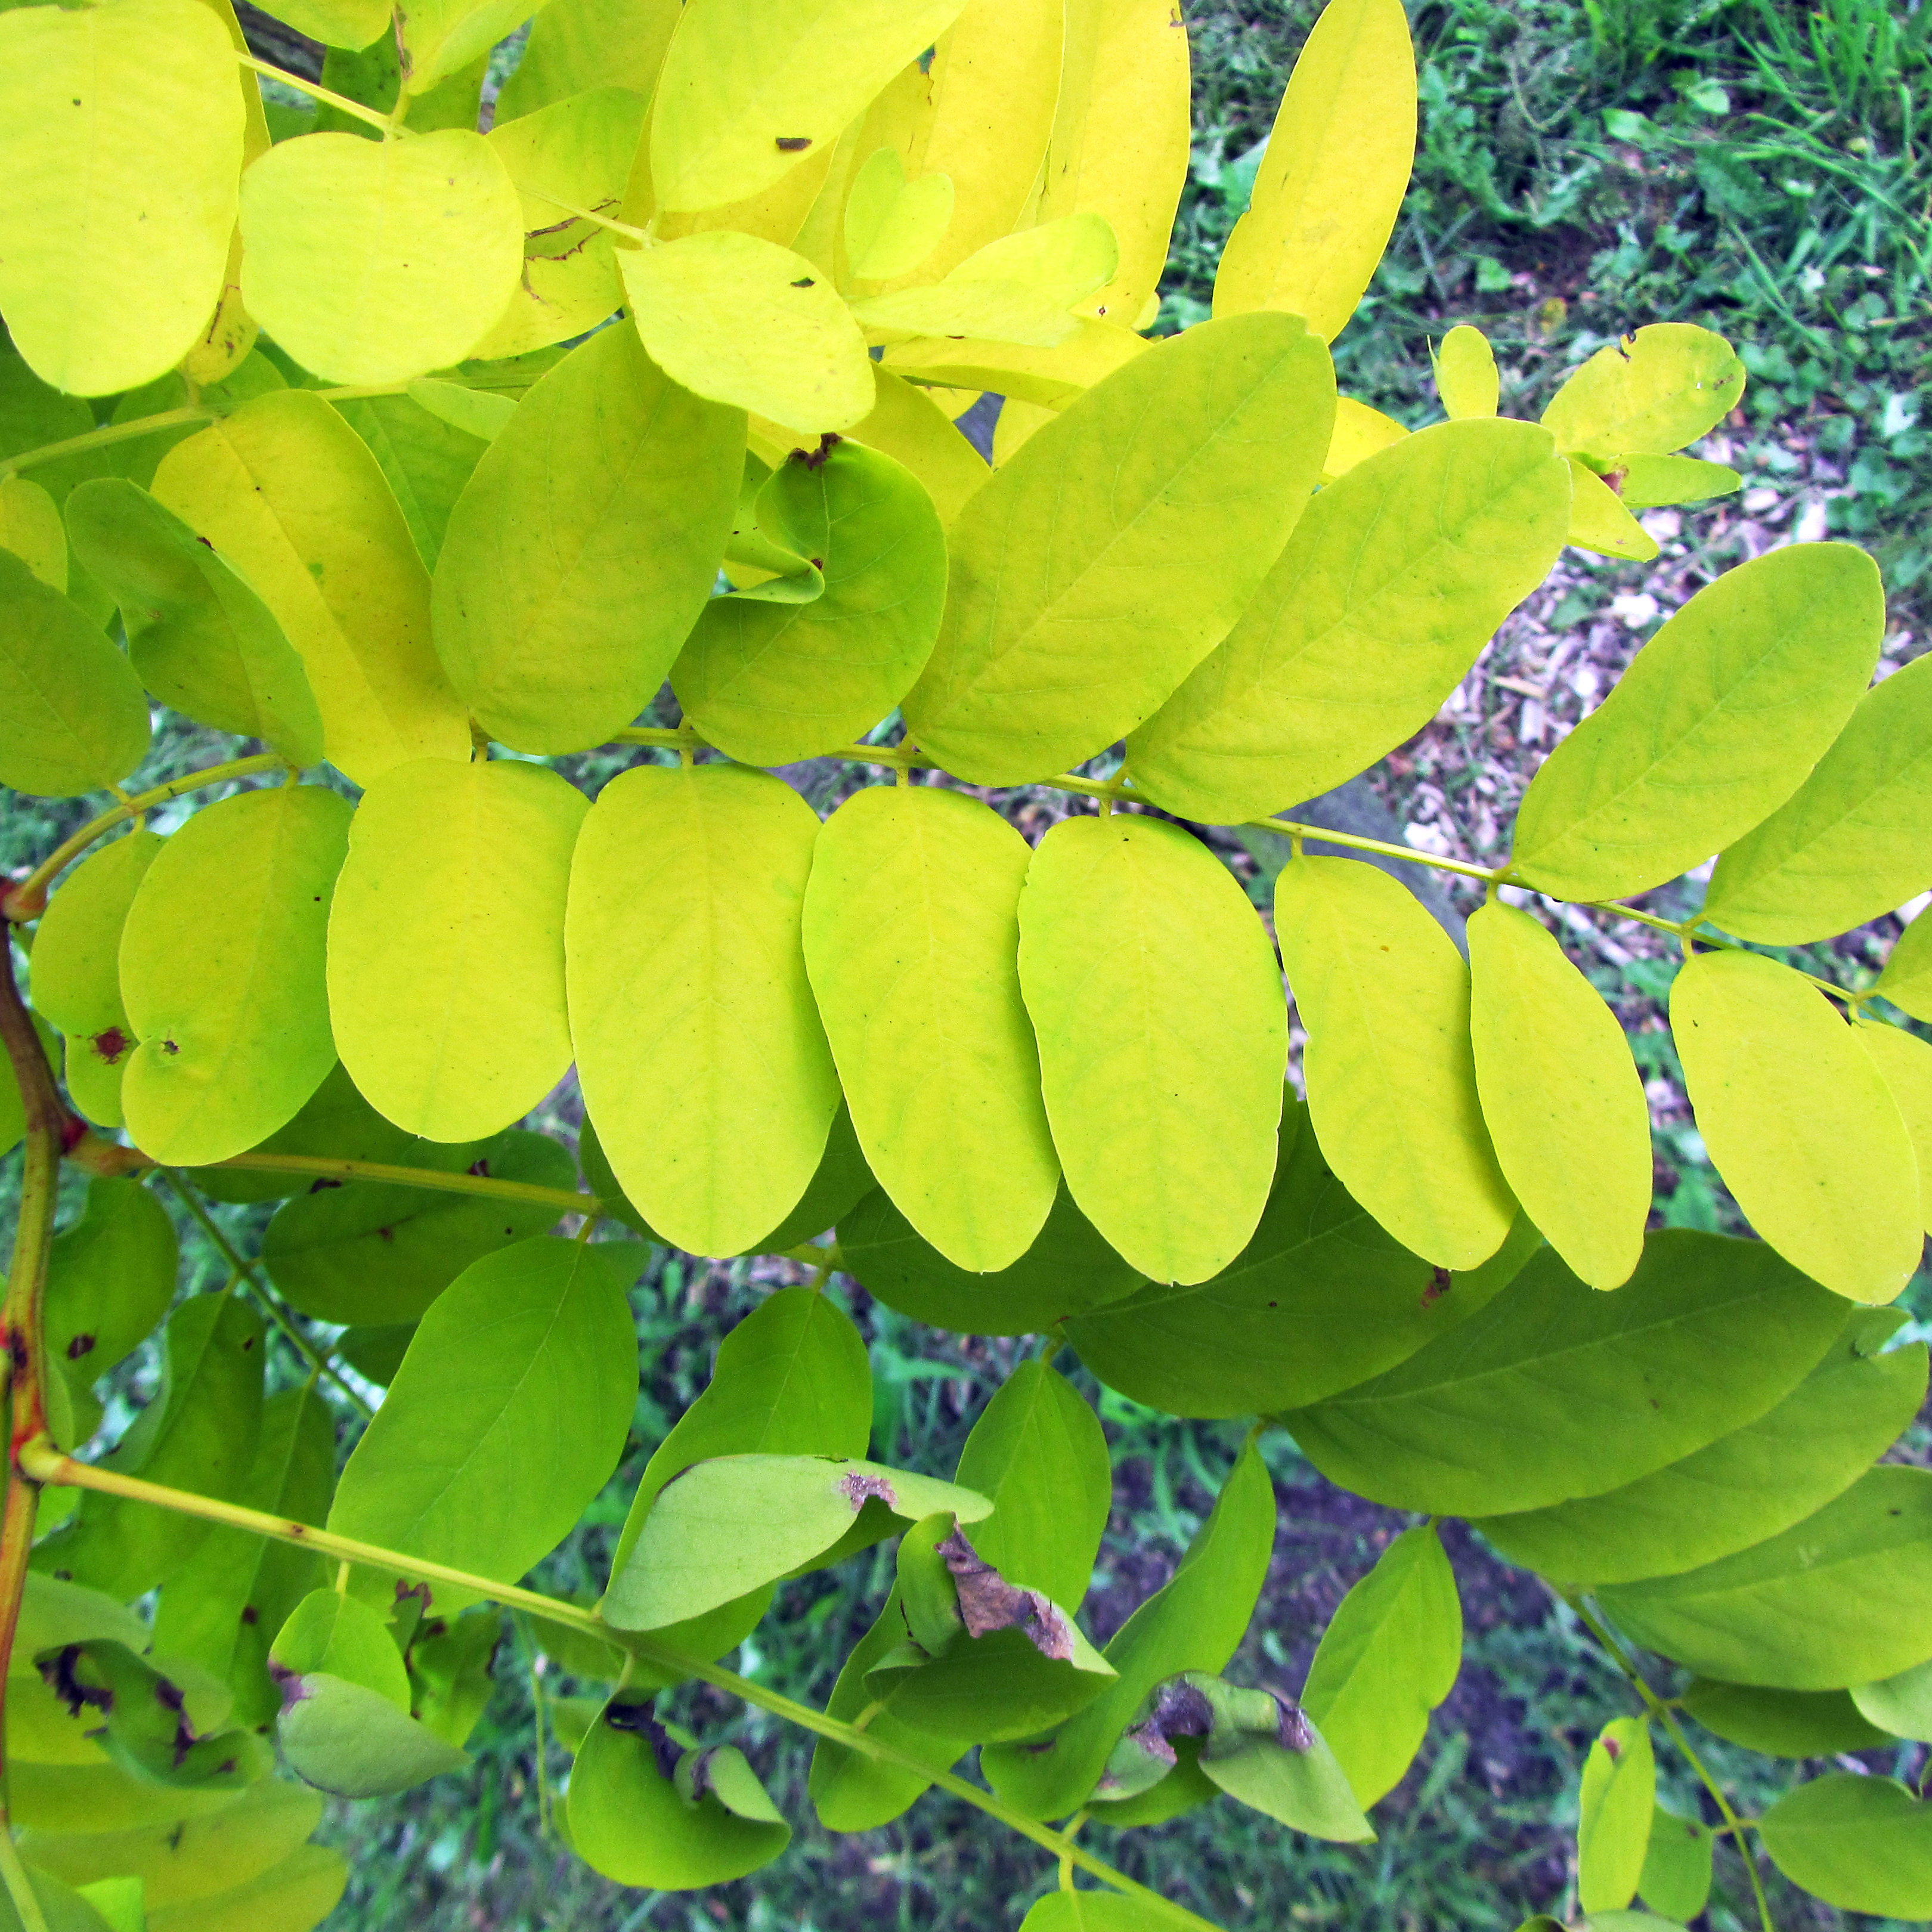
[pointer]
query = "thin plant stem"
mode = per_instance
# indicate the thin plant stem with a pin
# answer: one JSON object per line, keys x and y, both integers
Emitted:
{"x": 341, "y": 103}
{"x": 566, "y": 1200}
{"x": 272, "y": 1305}
{"x": 1660, "y": 1708}
{"x": 106, "y": 434}
{"x": 20, "y": 1887}
{"x": 42, "y": 1462}
{"x": 29, "y": 899}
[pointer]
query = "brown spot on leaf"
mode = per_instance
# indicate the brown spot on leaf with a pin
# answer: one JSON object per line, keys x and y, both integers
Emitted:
{"x": 988, "y": 1602}
{"x": 1438, "y": 1286}
{"x": 813, "y": 458}
{"x": 249, "y": 1614}
{"x": 640, "y": 1721}
{"x": 111, "y": 1045}
{"x": 81, "y": 1344}
{"x": 58, "y": 1672}
{"x": 858, "y": 1489}
{"x": 793, "y": 144}
{"x": 325, "y": 1180}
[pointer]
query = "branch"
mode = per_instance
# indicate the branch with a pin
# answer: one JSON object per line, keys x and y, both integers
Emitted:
{"x": 107, "y": 434}
{"x": 566, "y": 1200}
{"x": 43, "y": 1463}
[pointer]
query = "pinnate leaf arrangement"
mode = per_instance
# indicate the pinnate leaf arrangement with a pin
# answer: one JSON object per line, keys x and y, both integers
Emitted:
{"x": 427, "y": 456}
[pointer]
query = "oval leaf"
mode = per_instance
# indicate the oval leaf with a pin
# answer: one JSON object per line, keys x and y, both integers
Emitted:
{"x": 1864, "y": 1844}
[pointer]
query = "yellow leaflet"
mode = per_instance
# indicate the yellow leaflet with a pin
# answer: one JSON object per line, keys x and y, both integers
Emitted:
{"x": 1163, "y": 1039}
{"x": 579, "y": 150}
{"x": 891, "y": 224}
{"x": 1391, "y": 583}
{"x": 584, "y": 547}
{"x": 821, "y": 237}
{"x": 980, "y": 114}
{"x": 76, "y": 950}
{"x": 1906, "y": 981}
{"x": 291, "y": 497}
{"x": 297, "y": 1893}
{"x": 1332, "y": 181}
{"x": 1904, "y": 1062}
{"x": 1798, "y": 1120}
{"x": 703, "y": 1060}
{"x": 747, "y": 322}
{"x": 1465, "y": 373}
{"x": 445, "y": 944}
{"x": 1851, "y": 842}
{"x": 1020, "y": 288}
{"x": 120, "y": 133}
{"x": 73, "y": 717}
{"x": 1598, "y": 520}
{"x": 337, "y": 23}
{"x": 1091, "y": 574}
{"x": 576, "y": 45}
{"x": 1391, "y": 1081}
{"x": 1650, "y": 394}
{"x": 1360, "y": 432}
{"x": 1561, "y": 1095}
{"x": 909, "y": 426}
{"x": 1120, "y": 142}
{"x": 1650, "y": 481}
{"x": 30, "y": 527}
{"x": 911, "y": 930}
{"x": 1715, "y": 723}
{"x": 375, "y": 261}
{"x": 1017, "y": 424}
{"x": 221, "y": 968}
{"x": 1054, "y": 377}
{"x": 749, "y": 89}
{"x": 438, "y": 36}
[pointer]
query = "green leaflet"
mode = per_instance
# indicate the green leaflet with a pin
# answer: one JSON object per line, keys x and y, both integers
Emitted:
{"x": 427, "y": 462}
{"x": 1561, "y": 1095}
{"x": 630, "y": 1820}
{"x": 1720, "y": 718}
{"x": 736, "y": 1521}
{"x": 578, "y": 150}
{"x": 292, "y": 497}
{"x": 99, "y": 1797}
{"x": 1384, "y": 996}
{"x": 376, "y": 1350}
{"x": 1091, "y": 1911}
{"x": 746, "y": 94}
{"x": 30, "y": 527}
{"x": 1781, "y": 1723}
{"x": 1319, "y": 1299}
{"x": 1600, "y": 521}
{"x": 154, "y": 1728}
{"x": 1390, "y": 1655}
{"x": 1906, "y": 981}
{"x": 1648, "y": 395}
{"x": 450, "y": 1673}
{"x": 201, "y": 640}
{"x": 1676, "y": 1876}
{"x": 228, "y": 1053}
{"x": 195, "y": 1858}
{"x": 61, "y": 1909}
{"x": 445, "y": 942}
{"x": 791, "y": 1379}
{"x": 1093, "y": 572}
{"x": 685, "y": 971}
{"x": 375, "y": 261}
{"x": 116, "y": 230}
{"x": 1552, "y": 1392}
{"x": 1020, "y": 288}
{"x": 1850, "y": 843}
{"x": 1037, "y": 1453}
{"x": 344, "y": 1636}
{"x": 1800, "y": 1123}
{"x": 1648, "y": 480}
{"x": 223, "y": 1607}
{"x": 1338, "y": 159}
{"x": 1619, "y": 1801}
{"x": 1068, "y": 1270}
{"x": 739, "y": 320}
{"x": 1192, "y": 1623}
{"x": 584, "y": 547}
{"x": 911, "y": 933}
{"x": 198, "y": 1432}
{"x": 345, "y": 1738}
{"x": 770, "y": 682}
{"x": 508, "y": 1415}
{"x": 1862, "y": 1843}
{"x": 292, "y": 1896}
{"x": 72, "y": 716}
{"x": 1840, "y": 1598}
{"x": 77, "y": 956}
{"x": 1901, "y": 1705}
{"x": 1466, "y": 378}
{"x": 891, "y": 225}
{"x": 1140, "y": 956}
{"x": 578, "y": 44}
{"x": 110, "y": 1277}
{"x": 1740, "y": 1489}
{"x": 1905, "y": 1063}
{"x": 1392, "y": 581}
{"x": 909, "y": 426}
